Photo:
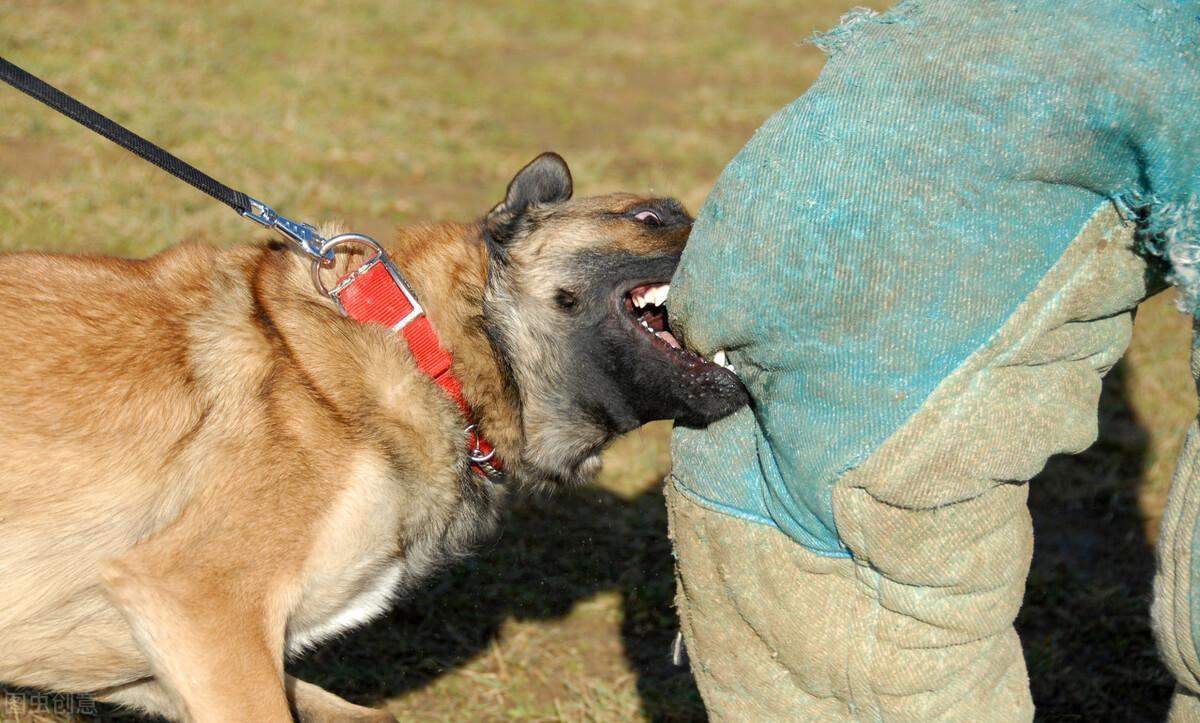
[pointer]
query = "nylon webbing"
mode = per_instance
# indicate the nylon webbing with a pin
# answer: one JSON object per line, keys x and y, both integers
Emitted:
{"x": 375, "y": 298}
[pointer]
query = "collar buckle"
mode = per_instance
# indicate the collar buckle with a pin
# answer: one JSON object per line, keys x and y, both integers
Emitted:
{"x": 379, "y": 258}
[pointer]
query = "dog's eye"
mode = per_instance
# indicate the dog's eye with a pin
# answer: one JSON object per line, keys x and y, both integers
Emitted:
{"x": 649, "y": 218}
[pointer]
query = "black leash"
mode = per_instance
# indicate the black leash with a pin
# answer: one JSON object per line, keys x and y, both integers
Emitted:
{"x": 303, "y": 234}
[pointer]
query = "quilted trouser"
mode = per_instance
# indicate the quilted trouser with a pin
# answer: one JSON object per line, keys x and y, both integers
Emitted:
{"x": 1177, "y": 584}
{"x": 917, "y": 623}
{"x": 922, "y": 268}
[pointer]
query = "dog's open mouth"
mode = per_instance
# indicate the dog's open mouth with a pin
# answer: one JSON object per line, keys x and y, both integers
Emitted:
{"x": 645, "y": 306}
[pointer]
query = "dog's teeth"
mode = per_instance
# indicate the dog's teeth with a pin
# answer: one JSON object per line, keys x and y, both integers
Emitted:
{"x": 639, "y": 300}
{"x": 659, "y": 294}
{"x": 722, "y": 360}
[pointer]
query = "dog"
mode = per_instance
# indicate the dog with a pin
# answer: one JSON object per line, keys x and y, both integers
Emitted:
{"x": 205, "y": 468}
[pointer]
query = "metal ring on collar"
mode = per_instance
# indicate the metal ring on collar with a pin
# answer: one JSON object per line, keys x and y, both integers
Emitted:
{"x": 327, "y": 249}
{"x": 474, "y": 454}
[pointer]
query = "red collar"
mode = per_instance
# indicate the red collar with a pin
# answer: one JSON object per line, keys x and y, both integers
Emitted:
{"x": 377, "y": 292}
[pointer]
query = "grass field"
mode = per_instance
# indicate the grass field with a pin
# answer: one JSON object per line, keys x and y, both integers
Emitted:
{"x": 384, "y": 113}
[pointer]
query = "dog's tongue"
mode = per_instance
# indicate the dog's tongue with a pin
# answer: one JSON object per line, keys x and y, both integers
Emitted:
{"x": 669, "y": 338}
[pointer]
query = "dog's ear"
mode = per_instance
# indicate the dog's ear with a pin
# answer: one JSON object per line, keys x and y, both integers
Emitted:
{"x": 544, "y": 180}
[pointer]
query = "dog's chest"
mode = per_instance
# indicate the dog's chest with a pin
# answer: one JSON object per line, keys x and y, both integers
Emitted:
{"x": 361, "y": 601}
{"x": 356, "y": 565}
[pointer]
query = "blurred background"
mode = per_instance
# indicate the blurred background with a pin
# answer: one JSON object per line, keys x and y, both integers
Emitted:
{"x": 383, "y": 113}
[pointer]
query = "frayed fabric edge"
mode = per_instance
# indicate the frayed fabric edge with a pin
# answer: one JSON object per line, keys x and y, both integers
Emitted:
{"x": 1169, "y": 230}
{"x": 832, "y": 40}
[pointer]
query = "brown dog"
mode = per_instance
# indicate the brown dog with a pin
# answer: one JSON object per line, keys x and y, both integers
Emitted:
{"x": 204, "y": 467}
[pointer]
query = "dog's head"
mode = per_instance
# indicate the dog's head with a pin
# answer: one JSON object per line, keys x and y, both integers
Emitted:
{"x": 574, "y": 308}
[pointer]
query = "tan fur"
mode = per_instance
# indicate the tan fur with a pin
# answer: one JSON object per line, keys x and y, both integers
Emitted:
{"x": 203, "y": 466}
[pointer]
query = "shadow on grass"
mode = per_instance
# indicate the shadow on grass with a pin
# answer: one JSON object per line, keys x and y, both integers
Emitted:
{"x": 553, "y": 553}
{"x": 1085, "y": 624}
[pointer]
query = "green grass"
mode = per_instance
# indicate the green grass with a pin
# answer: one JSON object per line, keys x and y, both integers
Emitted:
{"x": 384, "y": 113}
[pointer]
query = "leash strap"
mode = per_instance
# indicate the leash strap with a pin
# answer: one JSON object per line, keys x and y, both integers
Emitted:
{"x": 301, "y": 233}
{"x": 130, "y": 141}
{"x": 375, "y": 292}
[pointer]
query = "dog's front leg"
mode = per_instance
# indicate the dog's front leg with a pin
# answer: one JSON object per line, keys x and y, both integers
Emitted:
{"x": 313, "y": 704}
{"x": 209, "y": 645}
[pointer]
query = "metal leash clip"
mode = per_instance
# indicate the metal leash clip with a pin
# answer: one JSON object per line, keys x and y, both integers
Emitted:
{"x": 309, "y": 240}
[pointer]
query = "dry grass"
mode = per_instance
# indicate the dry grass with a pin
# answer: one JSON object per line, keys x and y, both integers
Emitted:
{"x": 383, "y": 113}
